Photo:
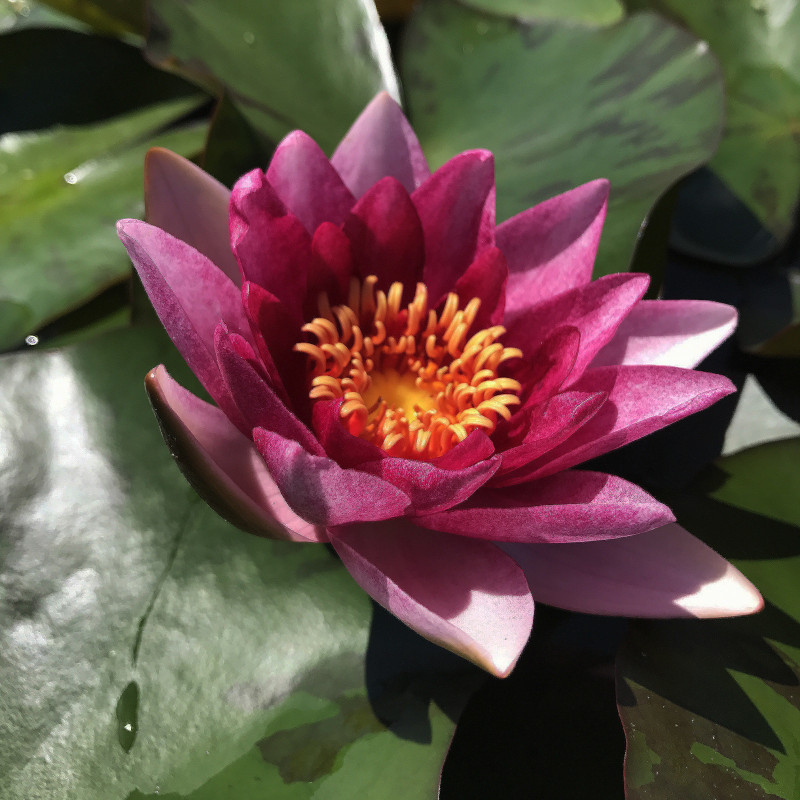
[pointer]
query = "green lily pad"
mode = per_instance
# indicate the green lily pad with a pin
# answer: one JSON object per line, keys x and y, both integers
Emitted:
{"x": 758, "y": 45}
{"x": 111, "y": 17}
{"x": 587, "y": 12}
{"x": 712, "y": 708}
{"x": 639, "y": 103}
{"x": 312, "y": 65}
{"x": 148, "y": 648}
{"x": 62, "y": 191}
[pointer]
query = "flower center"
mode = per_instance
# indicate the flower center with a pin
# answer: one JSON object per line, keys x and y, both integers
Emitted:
{"x": 411, "y": 380}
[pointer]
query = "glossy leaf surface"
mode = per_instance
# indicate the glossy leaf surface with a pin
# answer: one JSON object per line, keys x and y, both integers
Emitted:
{"x": 639, "y": 103}
{"x": 63, "y": 190}
{"x": 712, "y": 708}
{"x": 588, "y": 12}
{"x": 312, "y": 65}
{"x": 148, "y": 647}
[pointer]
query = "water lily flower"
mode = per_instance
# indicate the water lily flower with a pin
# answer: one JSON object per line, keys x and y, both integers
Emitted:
{"x": 397, "y": 375}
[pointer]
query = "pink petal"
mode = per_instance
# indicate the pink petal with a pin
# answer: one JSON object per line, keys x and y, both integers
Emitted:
{"x": 331, "y": 264}
{"x": 320, "y": 491}
{"x": 675, "y": 333}
{"x": 551, "y": 247}
{"x": 259, "y": 405}
{"x": 549, "y": 426}
{"x": 640, "y": 400}
{"x": 190, "y": 295}
{"x": 386, "y": 237}
{"x": 271, "y": 245}
{"x": 476, "y": 447}
{"x": 463, "y": 594}
{"x": 308, "y": 185}
{"x": 485, "y": 278}
{"x": 223, "y": 465}
{"x": 381, "y": 142}
{"x": 663, "y": 573}
{"x": 568, "y": 507}
{"x": 190, "y": 205}
{"x": 431, "y": 488}
{"x": 595, "y": 309}
{"x": 456, "y": 207}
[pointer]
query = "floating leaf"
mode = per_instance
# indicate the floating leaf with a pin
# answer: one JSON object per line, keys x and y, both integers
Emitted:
{"x": 639, "y": 103}
{"x": 587, "y": 12}
{"x": 712, "y": 708}
{"x": 149, "y": 648}
{"x": 312, "y": 65}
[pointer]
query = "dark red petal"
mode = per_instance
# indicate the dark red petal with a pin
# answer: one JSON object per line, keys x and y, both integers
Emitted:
{"x": 485, "y": 278}
{"x": 386, "y": 237}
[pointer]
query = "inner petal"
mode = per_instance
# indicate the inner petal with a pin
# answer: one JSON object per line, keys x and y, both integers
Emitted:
{"x": 414, "y": 382}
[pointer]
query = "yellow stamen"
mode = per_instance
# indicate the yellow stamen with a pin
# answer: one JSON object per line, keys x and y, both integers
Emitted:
{"x": 413, "y": 382}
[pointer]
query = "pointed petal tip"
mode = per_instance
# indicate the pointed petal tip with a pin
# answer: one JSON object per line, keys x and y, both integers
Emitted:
{"x": 730, "y": 595}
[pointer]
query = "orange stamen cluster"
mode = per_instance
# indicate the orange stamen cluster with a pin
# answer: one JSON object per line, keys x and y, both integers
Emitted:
{"x": 414, "y": 382}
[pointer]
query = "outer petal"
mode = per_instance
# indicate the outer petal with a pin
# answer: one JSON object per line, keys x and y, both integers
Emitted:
{"x": 596, "y": 310}
{"x": 663, "y": 573}
{"x": 223, "y": 465}
{"x": 551, "y": 247}
{"x": 486, "y": 278}
{"x": 456, "y": 206}
{"x": 189, "y": 204}
{"x": 271, "y": 245}
{"x": 463, "y": 594}
{"x": 190, "y": 296}
{"x": 319, "y": 490}
{"x": 386, "y": 237}
{"x": 640, "y": 400}
{"x": 308, "y": 185}
{"x": 569, "y": 507}
{"x": 381, "y": 142}
{"x": 675, "y": 333}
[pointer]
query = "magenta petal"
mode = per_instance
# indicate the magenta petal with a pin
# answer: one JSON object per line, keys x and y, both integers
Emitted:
{"x": 463, "y": 594}
{"x": 551, "y": 247}
{"x": 223, "y": 465}
{"x": 386, "y": 237}
{"x": 431, "y": 488}
{"x": 640, "y": 400}
{"x": 476, "y": 447}
{"x": 190, "y": 205}
{"x": 320, "y": 491}
{"x": 456, "y": 206}
{"x": 258, "y": 403}
{"x": 271, "y": 245}
{"x": 308, "y": 185}
{"x": 674, "y": 333}
{"x": 568, "y": 507}
{"x": 331, "y": 264}
{"x": 596, "y": 310}
{"x": 666, "y": 572}
{"x": 381, "y": 142}
{"x": 485, "y": 278}
{"x": 190, "y": 295}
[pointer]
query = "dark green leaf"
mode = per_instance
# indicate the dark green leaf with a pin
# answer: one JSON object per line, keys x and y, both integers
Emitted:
{"x": 758, "y": 45}
{"x": 639, "y": 103}
{"x": 312, "y": 65}
{"x": 587, "y": 12}
{"x": 712, "y": 708}
{"x": 148, "y": 647}
{"x": 62, "y": 191}
{"x": 113, "y": 17}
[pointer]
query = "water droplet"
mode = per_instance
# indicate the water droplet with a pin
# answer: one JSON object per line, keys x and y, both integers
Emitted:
{"x": 482, "y": 27}
{"x": 127, "y": 713}
{"x": 701, "y": 48}
{"x": 31, "y": 340}
{"x": 158, "y": 789}
{"x": 70, "y": 178}
{"x": 207, "y": 752}
{"x": 249, "y": 37}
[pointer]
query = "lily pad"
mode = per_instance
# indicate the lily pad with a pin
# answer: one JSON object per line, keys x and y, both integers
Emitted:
{"x": 312, "y": 65}
{"x": 758, "y": 45}
{"x": 639, "y": 103}
{"x": 587, "y": 12}
{"x": 148, "y": 648}
{"x": 712, "y": 708}
{"x": 62, "y": 191}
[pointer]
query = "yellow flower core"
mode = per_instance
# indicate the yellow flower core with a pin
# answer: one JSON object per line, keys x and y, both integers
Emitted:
{"x": 412, "y": 382}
